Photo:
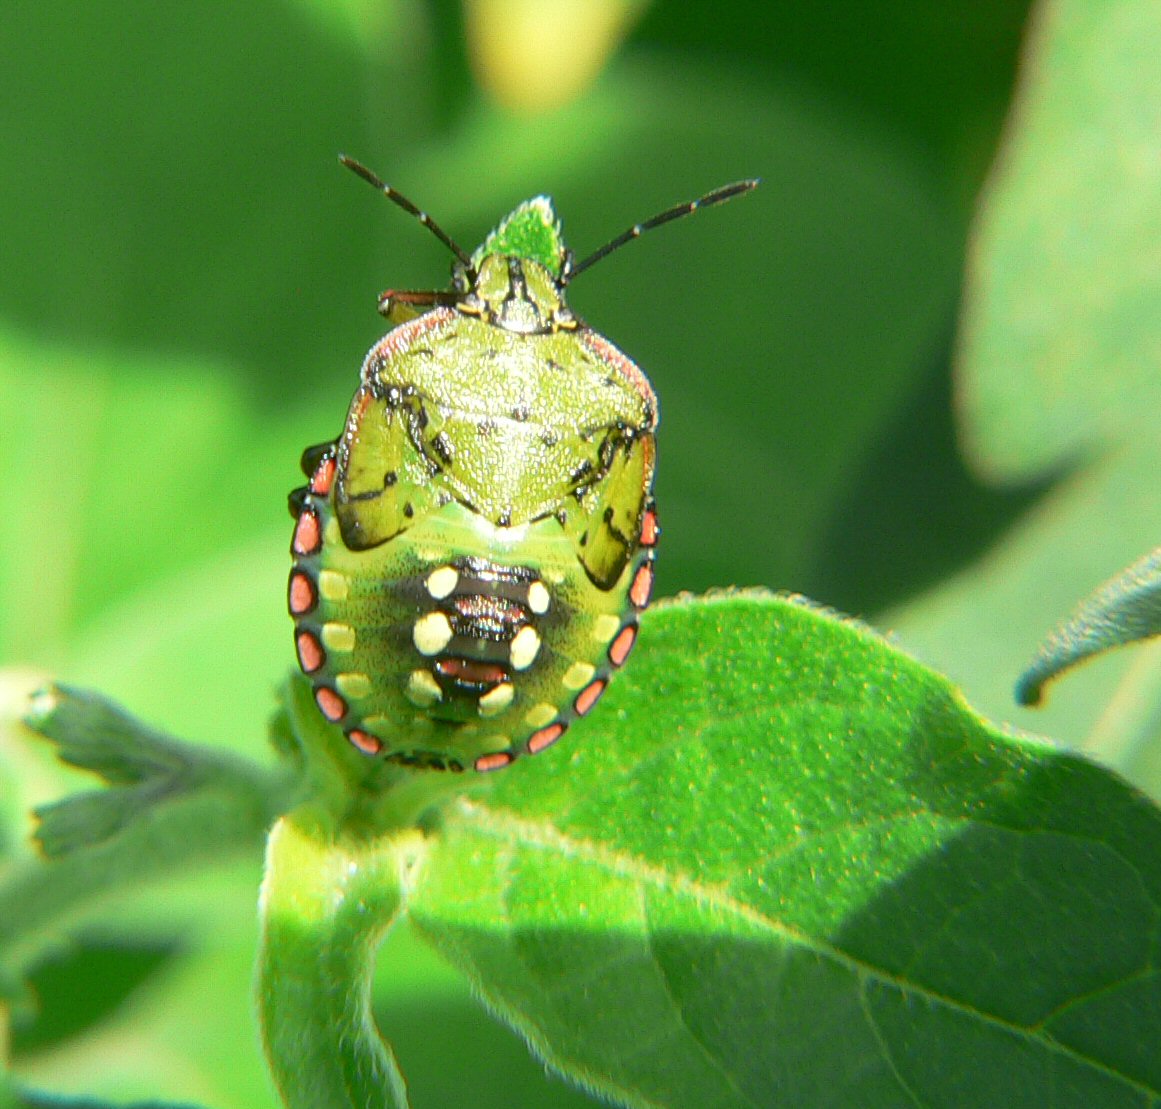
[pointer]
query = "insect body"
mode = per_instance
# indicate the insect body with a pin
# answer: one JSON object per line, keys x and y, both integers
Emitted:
{"x": 472, "y": 553}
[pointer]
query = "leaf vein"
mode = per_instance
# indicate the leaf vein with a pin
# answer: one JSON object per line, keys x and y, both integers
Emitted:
{"x": 710, "y": 1056}
{"x": 505, "y": 825}
{"x": 888, "y": 1054}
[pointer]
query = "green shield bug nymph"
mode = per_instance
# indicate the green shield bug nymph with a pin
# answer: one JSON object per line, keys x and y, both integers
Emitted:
{"x": 472, "y": 553}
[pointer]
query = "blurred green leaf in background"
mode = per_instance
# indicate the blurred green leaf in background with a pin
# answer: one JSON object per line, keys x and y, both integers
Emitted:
{"x": 190, "y": 286}
{"x": 1057, "y": 375}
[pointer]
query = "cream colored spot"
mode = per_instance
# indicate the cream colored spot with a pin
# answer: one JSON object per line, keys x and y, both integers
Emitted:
{"x": 332, "y": 585}
{"x": 441, "y": 582}
{"x": 538, "y": 598}
{"x": 578, "y": 674}
{"x": 539, "y": 715}
{"x": 422, "y": 688}
{"x": 432, "y": 633}
{"x": 524, "y": 648}
{"x": 338, "y": 637}
{"x": 605, "y": 627}
{"x": 497, "y": 700}
{"x": 353, "y": 685}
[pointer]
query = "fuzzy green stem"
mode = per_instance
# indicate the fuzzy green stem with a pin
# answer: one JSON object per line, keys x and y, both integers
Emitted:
{"x": 327, "y": 902}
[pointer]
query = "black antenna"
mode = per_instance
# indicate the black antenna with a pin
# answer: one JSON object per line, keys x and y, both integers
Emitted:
{"x": 407, "y": 206}
{"x": 718, "y": 196}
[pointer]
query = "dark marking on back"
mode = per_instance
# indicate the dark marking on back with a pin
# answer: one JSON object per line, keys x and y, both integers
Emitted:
{"x": 442, "y": 446}
{"x": 424, "y": 760}
{"x": 581, "y": 472}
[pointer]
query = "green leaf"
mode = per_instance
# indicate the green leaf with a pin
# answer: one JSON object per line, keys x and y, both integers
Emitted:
{"x": 416, "y": 992}
{"x": 786, "y": 864}
{"x": 168, "y": 806}
{"x": 1058, "y": 378}
{"x": 1124, "y": 610}
{"x": 145, "y": 771}
{"x": 982, "y": 625}
{"x": 1059, "y": 332}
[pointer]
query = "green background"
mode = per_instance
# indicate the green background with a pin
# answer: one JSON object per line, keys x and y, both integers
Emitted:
{"x": 191, "y": 281}
{"x": 189, "y": 287}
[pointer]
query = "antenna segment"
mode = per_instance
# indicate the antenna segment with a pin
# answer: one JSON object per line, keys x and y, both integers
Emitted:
{"x": 718, "y": 196}
{"x": 398, "y": 198}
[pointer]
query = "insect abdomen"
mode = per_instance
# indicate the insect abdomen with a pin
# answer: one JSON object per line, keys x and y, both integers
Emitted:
{"x": 457, "y": 643}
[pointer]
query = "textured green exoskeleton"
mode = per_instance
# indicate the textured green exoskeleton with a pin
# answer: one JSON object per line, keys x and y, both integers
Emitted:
{"x": 471, "y": 554}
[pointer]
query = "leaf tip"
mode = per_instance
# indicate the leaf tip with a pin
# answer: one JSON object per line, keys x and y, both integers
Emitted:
{"x": 41, "y": 705}
{"x": 1029, "y": 690}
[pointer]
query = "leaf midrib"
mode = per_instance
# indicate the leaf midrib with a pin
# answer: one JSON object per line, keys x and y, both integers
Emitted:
{"x": 506, "y": 826}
